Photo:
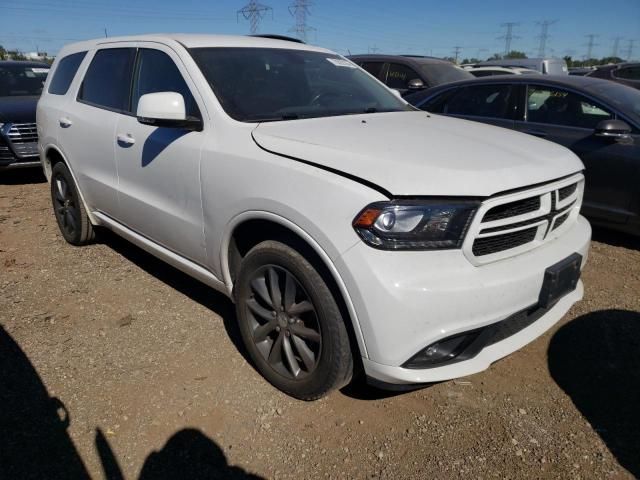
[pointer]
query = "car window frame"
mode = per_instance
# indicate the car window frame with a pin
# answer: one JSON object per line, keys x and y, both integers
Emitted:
{"x": 511, "y": 107}
{"x": 84, "y": 74}
{"x": 387, "y": 68}
{"x": 73, "y": 77}
{"x": 614, "y": 113}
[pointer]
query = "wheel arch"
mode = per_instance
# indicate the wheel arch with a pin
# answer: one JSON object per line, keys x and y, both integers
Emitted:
{"x": 52, "y": 155}
{"x": 250, "y": 228}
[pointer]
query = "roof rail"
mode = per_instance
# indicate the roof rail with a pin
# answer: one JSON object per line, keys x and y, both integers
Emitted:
{"x": 277, "y": 37}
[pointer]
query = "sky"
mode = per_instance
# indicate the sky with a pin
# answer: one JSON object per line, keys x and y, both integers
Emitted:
{"x": 426, "y": 27}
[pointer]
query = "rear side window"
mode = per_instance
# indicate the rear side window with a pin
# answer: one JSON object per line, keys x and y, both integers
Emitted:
{"x": 374, "y": 68}
{"x": 558, "y": 107}
{"x": 399, "y": 76}
{"x": 108, "y": 79}
{"x": 65, "y": 71}
{"x": 481, "y": 101}
{"x": 156, "y": 72}
{"x": 628, "y": 73}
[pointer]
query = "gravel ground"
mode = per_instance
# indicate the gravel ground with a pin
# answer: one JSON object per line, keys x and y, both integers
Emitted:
{"x": 113, "y": 365}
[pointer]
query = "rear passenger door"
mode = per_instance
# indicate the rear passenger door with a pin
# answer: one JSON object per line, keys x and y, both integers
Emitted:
{"x": 87, "y": 126}
{"x": 487, "y": 103}
{"x": 612, "y": 168}
{"x": 159, "y": 167}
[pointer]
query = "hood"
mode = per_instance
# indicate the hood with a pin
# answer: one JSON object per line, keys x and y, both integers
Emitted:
{"x": 18, "y": 109}
{"x": 416, "y": 153}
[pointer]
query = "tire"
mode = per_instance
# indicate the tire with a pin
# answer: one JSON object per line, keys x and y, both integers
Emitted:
{"x": 68, "y": 208}
{"x": 301, "y": 346}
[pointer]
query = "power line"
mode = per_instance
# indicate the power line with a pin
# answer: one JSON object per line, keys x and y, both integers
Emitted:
{"x": 373, "y": 49}
{"x": 456, "y": 52}
{"x": 616, "y": 46}
{"x": 299, "y": 9}
{"x": 508, "y": 36}
{"x": 544, "y": 36}
{"x": 630, "y": 48}
{"x": 254, "y": 12}
{"x": 590, "y": 44}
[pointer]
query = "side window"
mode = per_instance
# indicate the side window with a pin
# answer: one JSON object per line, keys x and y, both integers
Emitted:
{"x": 559, "y": 107}
{"x": 481, "y": 101}
{"x": 156, "y": 72}
{"x": 374, "y": 68}
{"x": 65, "y": 71}
{"x": 107, "y": 82}
{"x": 400, "y": 75}
{"x": 438, "y": 103}
{"x": 627, "y": 73}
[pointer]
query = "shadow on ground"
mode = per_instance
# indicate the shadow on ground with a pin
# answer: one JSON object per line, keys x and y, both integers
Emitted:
{"x": 616, "y": 239}
{"x": 22, "y": 176}
{"x": 595, "y": 359}
{"x": 35, "y": 443}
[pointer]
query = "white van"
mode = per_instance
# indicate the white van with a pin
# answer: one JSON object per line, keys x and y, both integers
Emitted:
{"x": 546, "y": 66}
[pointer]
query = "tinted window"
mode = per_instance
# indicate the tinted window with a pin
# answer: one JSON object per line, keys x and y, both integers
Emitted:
{"x": 65, "y": 71}
{"x": 108, "y": 80}
{"x": 22, "y": 79}
{"x": 270, "y": 84}
{"x": 156, "y": 72}
{"x": 482, "y": 101}
{"x": 559, "y": 107}
{"x": 374, "y": 68}
{"x": 439, "y": 73}
{"x": 438, "y": 103}
{"x": 399, "y": 76}
{"x": 628, "y": 73}
{"x": 489, "y": 73}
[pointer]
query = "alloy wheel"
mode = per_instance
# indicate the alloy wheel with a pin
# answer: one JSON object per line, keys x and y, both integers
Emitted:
{"x": 65, "y": 207}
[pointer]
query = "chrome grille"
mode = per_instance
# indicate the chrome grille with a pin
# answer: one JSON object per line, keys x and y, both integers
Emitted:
{"x": 23, "y": 133}
{"x": 514, "y": 223}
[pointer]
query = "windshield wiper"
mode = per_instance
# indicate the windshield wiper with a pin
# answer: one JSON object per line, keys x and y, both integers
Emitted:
{"x": 286, "y": 116}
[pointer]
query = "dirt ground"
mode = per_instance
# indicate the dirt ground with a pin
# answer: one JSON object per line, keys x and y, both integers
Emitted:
{"x": 114, "y": 365}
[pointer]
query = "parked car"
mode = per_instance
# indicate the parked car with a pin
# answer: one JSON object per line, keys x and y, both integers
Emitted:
{"x": 350, "y": 229}
{"x": 20, "y": 87}
{"x": 598, "y": 120}
{"x": 410, "y": 73}
{"x": 493, "y": 71}
{"x": 624, "y": 73}
{"x": 547, "y": 66}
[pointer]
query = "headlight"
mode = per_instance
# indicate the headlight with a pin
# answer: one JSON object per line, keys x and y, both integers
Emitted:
{"x": 415, "y": 224}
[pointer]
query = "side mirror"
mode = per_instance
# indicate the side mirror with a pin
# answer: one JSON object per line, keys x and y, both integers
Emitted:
{"x": 165, "y": 109}
{"x": 616, "y": 129}
{"x": 415, "y": 84}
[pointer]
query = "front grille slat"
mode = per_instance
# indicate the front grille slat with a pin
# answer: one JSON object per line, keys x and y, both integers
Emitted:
{"x": 498, "y": 243}
{"x": 567, "y": 191}
{"x": 23, "y": 133}
{"x": 513, "y": 209}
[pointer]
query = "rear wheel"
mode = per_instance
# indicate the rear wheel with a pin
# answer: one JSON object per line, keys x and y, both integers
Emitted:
{"x": 290, "y": 322}
{"x": 70, "y": 213}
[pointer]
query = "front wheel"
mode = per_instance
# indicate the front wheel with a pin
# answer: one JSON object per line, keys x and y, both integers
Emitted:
{"x": 290, "y": 322}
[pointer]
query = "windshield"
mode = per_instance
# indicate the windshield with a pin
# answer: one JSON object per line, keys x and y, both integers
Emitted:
{"x": 20, "y": 80}
{"x": 626, "y": 99}
{"x": 269, "y": 84}
{"x": 438, "y": 73}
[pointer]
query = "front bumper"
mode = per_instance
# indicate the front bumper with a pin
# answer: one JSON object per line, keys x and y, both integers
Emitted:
{"x": 408, "y": 300}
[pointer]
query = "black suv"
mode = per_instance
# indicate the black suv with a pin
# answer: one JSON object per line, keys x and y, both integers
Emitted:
{"x": 410, "y": 73}
{"x": 20, "y": 87}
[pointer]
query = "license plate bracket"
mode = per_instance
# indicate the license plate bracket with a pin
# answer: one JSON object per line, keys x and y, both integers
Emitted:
{"x": 560, "y": 279}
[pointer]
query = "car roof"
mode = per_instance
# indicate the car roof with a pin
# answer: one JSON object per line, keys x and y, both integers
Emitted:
{"x": 409, "y": 59}
{"x": 191, "y": 40}
{"x": 24, "y": 63}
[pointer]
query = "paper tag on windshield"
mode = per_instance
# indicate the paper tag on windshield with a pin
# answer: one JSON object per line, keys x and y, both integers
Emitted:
{"x": 339, "y": 62}
{"x": 39, "y": 70}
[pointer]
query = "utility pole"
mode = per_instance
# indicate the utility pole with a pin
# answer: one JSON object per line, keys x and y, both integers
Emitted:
{"x": 616, "y": 46}
{"x": 299, "y": 9}
{"x": 105, "y": 32}
{"x": 456, "y": 52}
{"x": 630, "y": 49}
{"x": 254, "y": 12}
{"x": 509, "y": 36}
{"x": 590, "y": 44}
{"x": 544, "y": 36}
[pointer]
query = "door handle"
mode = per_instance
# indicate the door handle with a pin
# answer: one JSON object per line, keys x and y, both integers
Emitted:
{"x": 537, "y": 133}
{"x": 65, "y": 122}
{"x": 126, "y": 140}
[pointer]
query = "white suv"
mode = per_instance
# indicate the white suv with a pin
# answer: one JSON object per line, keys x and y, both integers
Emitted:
{"x": 352, "y": 231}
